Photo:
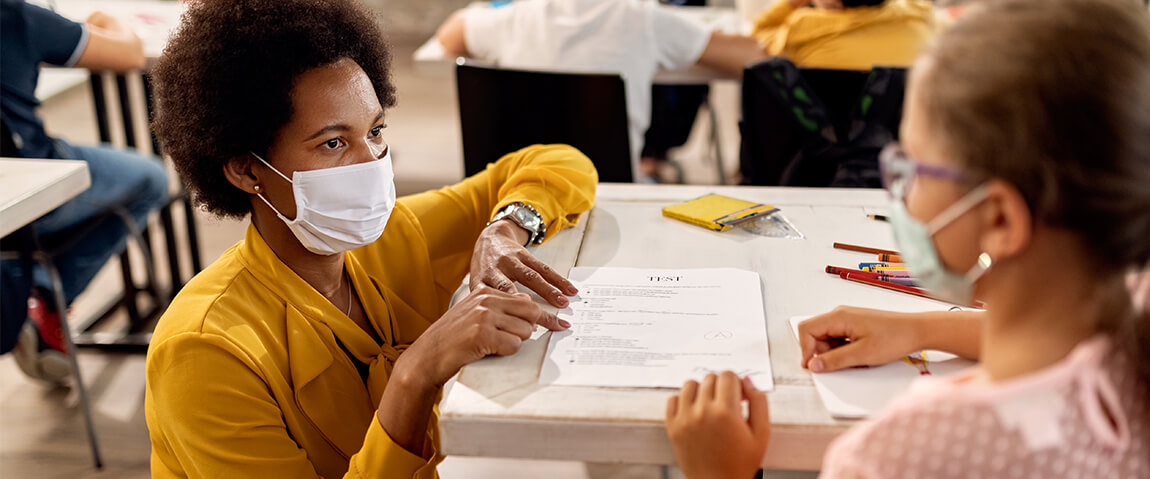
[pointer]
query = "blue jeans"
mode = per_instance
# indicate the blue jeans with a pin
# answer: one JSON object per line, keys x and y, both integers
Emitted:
{"x": 120, "y": 178}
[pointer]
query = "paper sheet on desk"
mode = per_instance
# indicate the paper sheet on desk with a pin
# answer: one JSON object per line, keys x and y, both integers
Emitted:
{"x": 658, "y": 328}
{"x": 859, "y": 392}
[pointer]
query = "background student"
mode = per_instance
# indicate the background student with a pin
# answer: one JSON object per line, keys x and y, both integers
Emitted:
{"x": 1025, "y": 187}
{"x": 119, "y": 178}
{"x": 845, "y": 34}
{"x": 631, "y": 38}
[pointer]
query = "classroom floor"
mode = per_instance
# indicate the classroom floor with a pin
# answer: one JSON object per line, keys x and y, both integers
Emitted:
{"x": 41, "y": 428}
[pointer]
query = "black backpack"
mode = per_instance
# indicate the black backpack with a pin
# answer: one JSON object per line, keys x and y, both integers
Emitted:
{"x": 817, "y": 127}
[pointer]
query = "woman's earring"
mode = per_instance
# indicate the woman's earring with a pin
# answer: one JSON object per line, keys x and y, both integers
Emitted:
{"x": 257, "y": 188}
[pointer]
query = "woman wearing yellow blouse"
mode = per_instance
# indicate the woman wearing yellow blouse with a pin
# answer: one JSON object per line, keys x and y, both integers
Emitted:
{"x": 318, "y": 345}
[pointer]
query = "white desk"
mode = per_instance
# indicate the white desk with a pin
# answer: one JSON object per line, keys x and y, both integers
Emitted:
{"x": 153, "y": 20}
{"x": 431, "y": 60}
{"x": 497, "y": 408}
{"x": 31, "y": 188}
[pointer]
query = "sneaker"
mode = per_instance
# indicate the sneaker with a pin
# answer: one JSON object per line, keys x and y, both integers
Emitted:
{"x": 37, "y": 360}
{"x": 47, "y": 320}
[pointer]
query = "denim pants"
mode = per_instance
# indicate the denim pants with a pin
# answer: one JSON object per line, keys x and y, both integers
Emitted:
{"x": 120, "y": 178}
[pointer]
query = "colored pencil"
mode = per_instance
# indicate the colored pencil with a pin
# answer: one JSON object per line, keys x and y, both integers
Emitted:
{"x": 886, "y": 285}
{"x": 883, "y": 269}
{"x": 890, "y": 258}
{"x": 863, "y": 249}
{"x": 897, "y": 273}
{"x": 881, "y": 263}
{"x": 877, "y": 217}
{"x": 904, "y": 280}
{"x": 900, "y": 288}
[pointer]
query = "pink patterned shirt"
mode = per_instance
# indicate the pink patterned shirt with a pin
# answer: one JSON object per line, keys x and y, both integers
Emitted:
{"x": 1087, "y": 416}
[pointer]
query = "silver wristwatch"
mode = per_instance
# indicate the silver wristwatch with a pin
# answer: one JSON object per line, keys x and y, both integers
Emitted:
{"x": 526, "y": 217}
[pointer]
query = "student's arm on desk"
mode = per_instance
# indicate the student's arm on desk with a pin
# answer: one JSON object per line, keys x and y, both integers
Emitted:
{"x": 879, "y": 337}
{"x": 730, "y": 54}
{"x": 450, "y": 35}
{"x": 112, "y": 45}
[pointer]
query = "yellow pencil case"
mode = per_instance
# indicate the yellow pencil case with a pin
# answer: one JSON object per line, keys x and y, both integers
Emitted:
{"x": 717, "y": 212}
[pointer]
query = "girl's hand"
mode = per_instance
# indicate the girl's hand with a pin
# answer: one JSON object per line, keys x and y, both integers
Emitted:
{"x": 708, "y": 432}
{"x": 849, "y": 336}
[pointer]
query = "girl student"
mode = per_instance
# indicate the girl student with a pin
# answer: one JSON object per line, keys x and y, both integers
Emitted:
{"x": 1023, "y": 180}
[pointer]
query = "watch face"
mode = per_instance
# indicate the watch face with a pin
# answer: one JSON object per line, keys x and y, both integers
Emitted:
{"x": 524, "y": 217}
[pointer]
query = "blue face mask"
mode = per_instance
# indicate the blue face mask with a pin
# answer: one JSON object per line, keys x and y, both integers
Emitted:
{"x": 921, "y": 258}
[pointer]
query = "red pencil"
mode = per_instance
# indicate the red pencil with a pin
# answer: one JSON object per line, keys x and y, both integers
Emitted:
{"x": 837, "y": 270}
{"x": 867, "y": 278}
{"x": 859, "y": 278}
{"x": 885, "y": 275}
{"x": 863, "y": 249}
{"x": 886, "y": 278}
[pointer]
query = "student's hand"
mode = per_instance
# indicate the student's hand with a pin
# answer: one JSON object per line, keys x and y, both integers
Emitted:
{"x": 707, "y": 430}
{"x": 499, "y": 260}
{"x": 875, "y": 337}
{"x": 487, "y": 322}
{"x": 828, "y": 4}
{"x": 104, "y": 21}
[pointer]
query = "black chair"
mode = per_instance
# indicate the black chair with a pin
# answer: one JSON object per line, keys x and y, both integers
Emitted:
{"x": 136, "y": 336}
{"x": 817, "y": 127}
{"x": 503, "y": 110}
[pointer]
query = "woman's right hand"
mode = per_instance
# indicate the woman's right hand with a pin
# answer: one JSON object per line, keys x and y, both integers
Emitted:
{"x": 487, "y": 322}
{"x": 871, "y": 337}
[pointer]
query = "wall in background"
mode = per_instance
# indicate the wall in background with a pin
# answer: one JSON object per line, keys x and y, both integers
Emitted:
{"x": 414, "y": 18}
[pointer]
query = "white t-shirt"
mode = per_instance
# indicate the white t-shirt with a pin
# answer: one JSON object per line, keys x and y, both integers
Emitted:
{"x": 632, "y": 38}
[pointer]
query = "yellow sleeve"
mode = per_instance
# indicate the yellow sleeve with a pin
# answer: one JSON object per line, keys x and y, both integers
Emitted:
{"x": 382, "y": 457}
{"x": 206, "y": 424}
{"x": 557, "y": 180}
{"x": 768, "y": 25}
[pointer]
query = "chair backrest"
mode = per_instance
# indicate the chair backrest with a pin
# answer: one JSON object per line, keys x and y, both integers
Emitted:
{"x": 8, "y": 146}
{"x": 817, "y": 127}
{"x": 504, "y": 110}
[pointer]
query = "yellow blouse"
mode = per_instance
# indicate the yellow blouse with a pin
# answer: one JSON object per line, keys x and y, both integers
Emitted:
{"x": 246, "y": 376}
{"x": 891, "y": 34}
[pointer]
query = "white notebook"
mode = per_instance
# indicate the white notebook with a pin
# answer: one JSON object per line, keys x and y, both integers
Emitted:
{"x": 859, "y": 392}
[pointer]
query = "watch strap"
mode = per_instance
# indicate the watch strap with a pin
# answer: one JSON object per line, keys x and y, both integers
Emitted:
{"x": 536, "y": 231}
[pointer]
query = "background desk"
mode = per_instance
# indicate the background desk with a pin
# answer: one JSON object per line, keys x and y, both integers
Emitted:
{"x": 31, "y": 188}
{"x": 497, "y": 408}
{"x": 153, "y": 20}
{"x": 430, "y": 59}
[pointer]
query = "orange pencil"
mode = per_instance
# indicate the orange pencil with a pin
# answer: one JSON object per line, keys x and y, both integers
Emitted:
{"x": 890, "y": 258}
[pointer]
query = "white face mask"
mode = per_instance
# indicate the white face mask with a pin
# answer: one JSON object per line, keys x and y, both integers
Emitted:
{"x": 916, "y": 246}
{"x": 341, "y": 208}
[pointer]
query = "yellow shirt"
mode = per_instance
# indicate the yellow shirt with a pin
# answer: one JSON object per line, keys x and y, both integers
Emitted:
{"x": 850, "y": 39}
{"x": 246, "y": 376}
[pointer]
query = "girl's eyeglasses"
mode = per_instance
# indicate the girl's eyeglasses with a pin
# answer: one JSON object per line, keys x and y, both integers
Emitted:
{"x": 898, "y": 171}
